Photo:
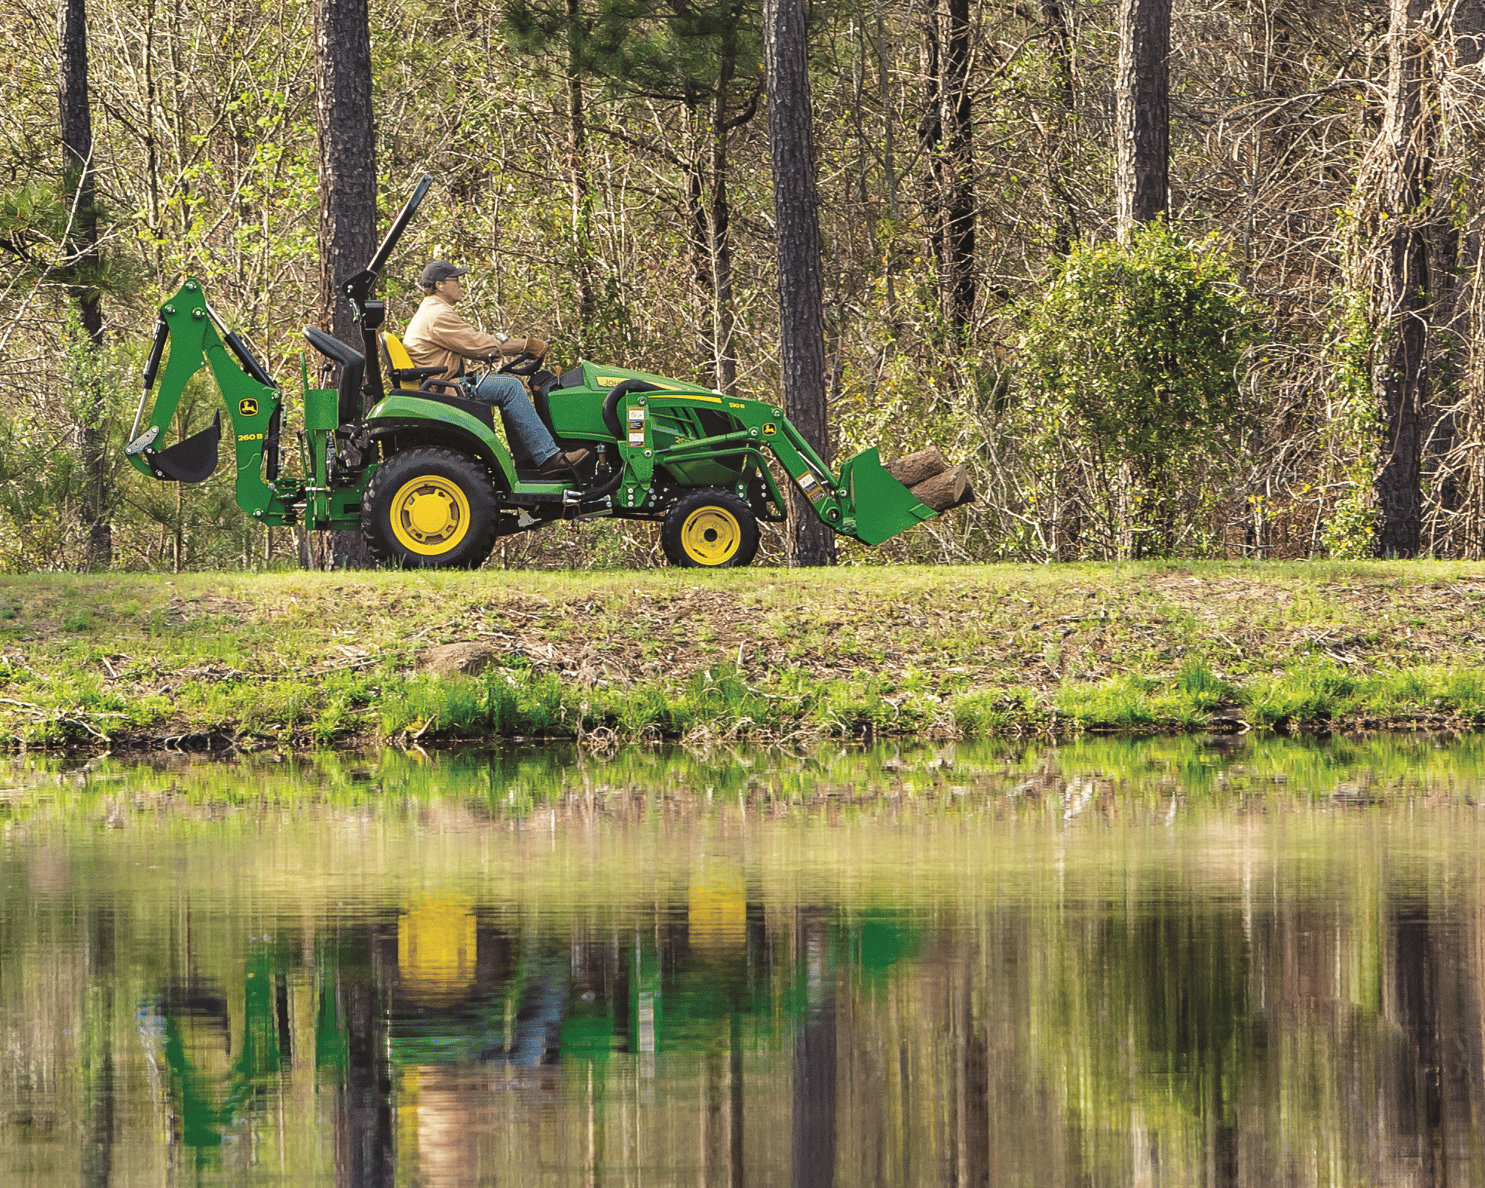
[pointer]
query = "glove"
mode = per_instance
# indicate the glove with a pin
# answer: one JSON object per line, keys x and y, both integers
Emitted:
{"x": 535, "y": 346}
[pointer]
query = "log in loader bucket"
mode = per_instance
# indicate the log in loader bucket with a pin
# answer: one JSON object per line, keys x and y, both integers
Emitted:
{"x": 883, "y": 506}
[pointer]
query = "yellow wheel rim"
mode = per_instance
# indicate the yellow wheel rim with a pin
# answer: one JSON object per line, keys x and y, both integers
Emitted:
{"x": 430, "y": 515}
{"x": 711, "y": 536}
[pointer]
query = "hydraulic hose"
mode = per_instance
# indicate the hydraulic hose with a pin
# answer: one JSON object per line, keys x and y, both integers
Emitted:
{"x": 611, "y": 423}
{"x": 611, "y": 404}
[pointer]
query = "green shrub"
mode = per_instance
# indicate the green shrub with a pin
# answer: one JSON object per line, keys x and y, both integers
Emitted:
{"x": 1131, "y": 395}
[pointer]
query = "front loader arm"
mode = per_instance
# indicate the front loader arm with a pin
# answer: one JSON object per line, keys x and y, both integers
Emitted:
{"x": 864, "y": 502}
{"x": 197, "y": 338}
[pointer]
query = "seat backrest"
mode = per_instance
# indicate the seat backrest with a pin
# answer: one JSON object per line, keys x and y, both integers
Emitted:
{"x": 397, "y": 362}
{"x": 352, "y": 369}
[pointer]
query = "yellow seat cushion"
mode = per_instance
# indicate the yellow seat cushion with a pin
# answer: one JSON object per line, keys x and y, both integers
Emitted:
{"x": 398, "y": 363}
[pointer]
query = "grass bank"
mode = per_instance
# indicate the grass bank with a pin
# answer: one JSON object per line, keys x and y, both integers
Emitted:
{"x": 206, "y": 661}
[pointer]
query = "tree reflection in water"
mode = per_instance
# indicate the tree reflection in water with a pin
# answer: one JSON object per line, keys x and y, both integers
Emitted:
{"x": 1018, "y": 978}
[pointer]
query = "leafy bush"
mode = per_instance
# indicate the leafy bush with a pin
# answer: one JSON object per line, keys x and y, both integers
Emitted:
{"x": 1131, "y": 394}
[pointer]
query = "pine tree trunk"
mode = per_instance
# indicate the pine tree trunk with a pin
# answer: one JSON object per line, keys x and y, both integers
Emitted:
{"x": 343, "y": 116}
{"x": 577, "y": 178}
{"x": 1392, "y": 251}
{"x": 1059, "y": 49}
{"x": 1142, "y": 113}
{"x": 347, "y": 142}
{"x": 723, "y": 315}
{"x": 958, "y": 176}
{"x": 79, "y": 190}
{"x": 801, "y": 299}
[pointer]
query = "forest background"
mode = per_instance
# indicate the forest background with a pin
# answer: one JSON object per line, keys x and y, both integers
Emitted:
{"x": 1289, "y": 363}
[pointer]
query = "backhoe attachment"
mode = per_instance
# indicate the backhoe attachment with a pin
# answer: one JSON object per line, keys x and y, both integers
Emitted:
{"x": 196, "y": 337}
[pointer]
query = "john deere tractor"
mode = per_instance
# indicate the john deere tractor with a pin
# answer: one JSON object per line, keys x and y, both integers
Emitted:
{"x": 425, "y": 472}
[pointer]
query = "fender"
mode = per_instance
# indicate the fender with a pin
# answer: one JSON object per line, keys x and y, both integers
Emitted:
{"x": 472, "y": 419}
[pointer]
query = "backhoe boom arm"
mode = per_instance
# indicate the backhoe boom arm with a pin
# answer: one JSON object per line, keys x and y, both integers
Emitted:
{"x": 197, "y": 338}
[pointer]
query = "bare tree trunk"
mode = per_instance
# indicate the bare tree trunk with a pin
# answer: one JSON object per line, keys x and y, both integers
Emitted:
{"x": 577, "y": 176}
{"x": 1455, "y": 523}
{"x": 1142, "y": 113}
{"x": 931, "y": 137}
{"x": 889, "y": 120}
{"x": 724, "y": 351}
{"x": 1392, "y": 262}
{"x": 945, "y": 138}
{"x": 1059, "y": 47}
{"x": 347, "y": 139}
{"x": 80, "y": 191}
{"x": 801, "y": 297}
{"x": 710, "y": 211}
{"x": 723, "y": 318}
{"x": 958, "y": 176}
{"x": 698, "y": 232}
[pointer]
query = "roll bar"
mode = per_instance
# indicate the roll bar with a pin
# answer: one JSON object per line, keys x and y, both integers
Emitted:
{"x": 369, "y": 313}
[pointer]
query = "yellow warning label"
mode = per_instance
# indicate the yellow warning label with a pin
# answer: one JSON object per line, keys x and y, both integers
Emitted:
{"x": 811, "y": 487}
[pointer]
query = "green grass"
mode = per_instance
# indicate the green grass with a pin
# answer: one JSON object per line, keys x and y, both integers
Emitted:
{"x": 305, "y": 659}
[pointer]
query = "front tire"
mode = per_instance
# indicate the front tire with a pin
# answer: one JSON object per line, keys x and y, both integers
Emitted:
{"x": 430, "y": 508}
{"x": 709, "y": 529}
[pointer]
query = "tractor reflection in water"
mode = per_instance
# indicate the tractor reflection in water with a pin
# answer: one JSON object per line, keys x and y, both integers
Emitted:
{"x": 422, "y": 1006}
{"x": 188, "y": 1033}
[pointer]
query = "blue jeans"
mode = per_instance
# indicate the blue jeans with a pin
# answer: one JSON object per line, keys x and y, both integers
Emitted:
{"x": 524, "y": 428}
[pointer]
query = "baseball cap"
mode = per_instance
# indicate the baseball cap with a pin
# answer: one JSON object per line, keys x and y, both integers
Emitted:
{"x": 438, "y": 270}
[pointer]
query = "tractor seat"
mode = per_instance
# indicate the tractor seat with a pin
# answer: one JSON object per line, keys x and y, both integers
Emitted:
{"x": 405, "y": 377}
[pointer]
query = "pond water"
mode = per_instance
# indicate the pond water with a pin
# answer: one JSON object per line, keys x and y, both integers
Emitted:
{"x": 1163, "y": 962}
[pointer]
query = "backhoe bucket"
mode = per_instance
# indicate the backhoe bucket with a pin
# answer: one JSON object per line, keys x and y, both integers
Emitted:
{"x": 190, "y": 460}
{"x": 883, "y": 506}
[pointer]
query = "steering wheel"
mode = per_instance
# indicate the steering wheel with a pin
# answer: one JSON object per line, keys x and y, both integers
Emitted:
{"x": 524, "y": 365}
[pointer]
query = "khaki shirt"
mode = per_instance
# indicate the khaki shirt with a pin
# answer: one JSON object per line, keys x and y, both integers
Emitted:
{"x": 438, "y": 337}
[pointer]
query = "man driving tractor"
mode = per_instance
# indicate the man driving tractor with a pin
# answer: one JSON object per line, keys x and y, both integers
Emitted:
{"x": 430, "y": 482}
{"x": 438, "y": 337}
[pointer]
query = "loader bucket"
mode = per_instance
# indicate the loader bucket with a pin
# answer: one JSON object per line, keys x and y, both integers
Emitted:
{"x": 883, "y": 506}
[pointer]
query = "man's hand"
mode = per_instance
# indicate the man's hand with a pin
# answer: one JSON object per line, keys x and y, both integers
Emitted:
{"x": 535, "y": 346}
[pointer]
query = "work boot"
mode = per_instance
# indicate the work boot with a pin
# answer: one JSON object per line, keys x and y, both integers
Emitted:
{"x": 559, "y": 462}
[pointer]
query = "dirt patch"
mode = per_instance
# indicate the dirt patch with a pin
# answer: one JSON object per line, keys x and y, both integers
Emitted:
{"x": 460, "y": 659}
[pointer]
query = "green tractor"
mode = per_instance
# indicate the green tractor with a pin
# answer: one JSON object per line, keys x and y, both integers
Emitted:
{"x": 427, "y": 477}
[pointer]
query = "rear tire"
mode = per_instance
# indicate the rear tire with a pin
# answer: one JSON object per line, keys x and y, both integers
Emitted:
{"x": 430, "y": 508}
{"x": 709, "y": 529}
